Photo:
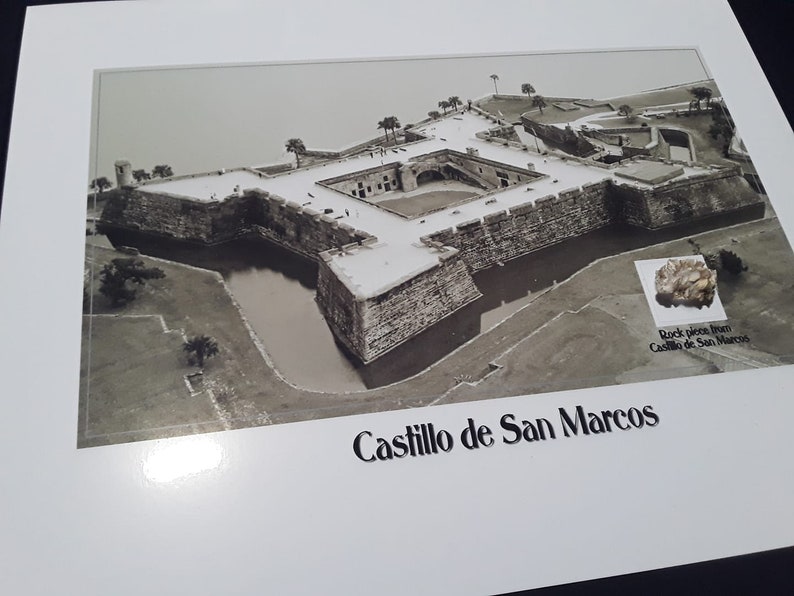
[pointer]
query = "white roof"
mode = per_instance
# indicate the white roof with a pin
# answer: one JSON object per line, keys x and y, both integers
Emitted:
{"x": 399, "y": 254}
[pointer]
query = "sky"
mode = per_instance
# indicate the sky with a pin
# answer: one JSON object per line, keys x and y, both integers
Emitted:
{"x": 204, "y": 118}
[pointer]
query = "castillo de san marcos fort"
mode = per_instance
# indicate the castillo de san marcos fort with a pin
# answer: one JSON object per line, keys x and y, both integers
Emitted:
{"x": 398, "y": 229}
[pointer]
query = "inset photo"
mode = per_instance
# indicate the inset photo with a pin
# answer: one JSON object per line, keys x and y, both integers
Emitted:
{"x": 680, "y": 290}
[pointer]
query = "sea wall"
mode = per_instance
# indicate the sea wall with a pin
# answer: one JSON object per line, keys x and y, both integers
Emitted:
{"x": 371, "y": 326}
{"x": 525, "y": 228}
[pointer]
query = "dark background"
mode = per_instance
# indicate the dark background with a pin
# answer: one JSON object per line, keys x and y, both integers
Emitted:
{"x": 768, "y": 27}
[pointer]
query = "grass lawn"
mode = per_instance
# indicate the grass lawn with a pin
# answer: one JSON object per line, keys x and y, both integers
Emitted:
{"x": 663, "y": 96}
{"x": 137, "y": 370}
{"x": 606, "y": 341}
{"x": 707, "y": 150}
{"x": 136, "y": 378}
{"x": 426, "y": 202}
{"x": 513, "y": 108}
{"x": 759, "y": 300}
{"x": 586, "y": 349}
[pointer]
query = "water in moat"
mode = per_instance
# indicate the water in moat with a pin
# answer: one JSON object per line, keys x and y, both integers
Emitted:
{"x": 275, "y": 289}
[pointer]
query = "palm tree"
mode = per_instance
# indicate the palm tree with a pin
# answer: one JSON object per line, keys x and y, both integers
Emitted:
{"x": 384, "y": 125}
{"x": 539, "y": 102}
{"x": 528, "y": 89}
{"x": 394, "y": 124}
{"x": 297, "y": 147}
{"x": 706, "y": 92}
{"x": 434, "y": 114}
{"x": 444, "y": 104}
{"x": 454, "y": 102}
{"x": 162, "y": 171}
{"x": 199, "y": 348}
{"x": 494, "y": 78}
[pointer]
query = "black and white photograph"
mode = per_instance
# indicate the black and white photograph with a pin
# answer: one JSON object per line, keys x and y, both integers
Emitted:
{"x": 279, "y": 242}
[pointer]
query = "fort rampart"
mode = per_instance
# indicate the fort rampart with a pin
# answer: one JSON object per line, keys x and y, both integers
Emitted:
{"x": 698, "y": 197}
{"x": 173, "y": 216}
{"x": 525, "y": 228}
{"x": 552, "y": 219}
{"x": 371, "y": 325}
{"x": 296, "y": 227}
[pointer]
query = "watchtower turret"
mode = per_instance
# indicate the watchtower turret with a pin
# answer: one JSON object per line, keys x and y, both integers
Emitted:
{"x": 123, "y": 173}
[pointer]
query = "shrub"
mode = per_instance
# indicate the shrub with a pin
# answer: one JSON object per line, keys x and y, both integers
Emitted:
{"x": 731, "y": 262}
{"x": 115, "y": 275}
{"x": 722, "y": 260}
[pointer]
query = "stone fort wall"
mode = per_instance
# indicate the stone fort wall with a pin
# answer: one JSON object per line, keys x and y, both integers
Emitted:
{"x": 173, "y": 216}
{"x": 552, "y": 219}
{"x": 296, "y": 227}
{"x": 299, "y": 228}
{"x": 370, "y": 327}
{"x": 367, "y": 183}
{"x": 525, "y": 228}
{"x": 698, "y": 197}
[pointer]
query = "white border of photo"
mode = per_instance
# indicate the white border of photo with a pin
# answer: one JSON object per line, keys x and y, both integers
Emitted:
{"x": 289, "y": 509}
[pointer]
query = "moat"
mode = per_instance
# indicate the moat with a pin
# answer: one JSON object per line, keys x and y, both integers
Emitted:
{"x": 276, "y": 290}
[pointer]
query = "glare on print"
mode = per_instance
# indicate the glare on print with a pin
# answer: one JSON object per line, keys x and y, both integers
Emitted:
{"x": 181, "y": 459}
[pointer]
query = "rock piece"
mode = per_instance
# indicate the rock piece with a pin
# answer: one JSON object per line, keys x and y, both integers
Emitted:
{"x": 685, "y": 282}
